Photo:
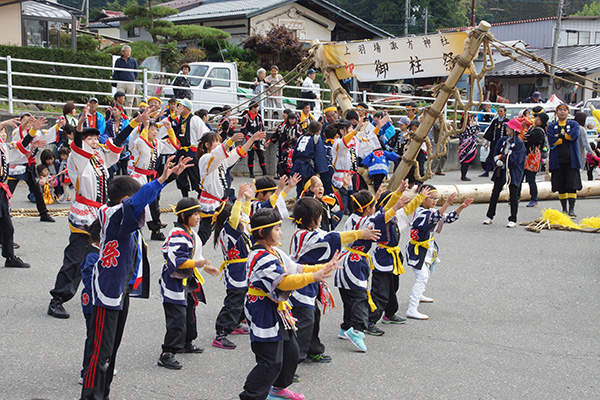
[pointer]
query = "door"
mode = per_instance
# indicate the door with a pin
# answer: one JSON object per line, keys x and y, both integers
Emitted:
{"x": 217, "y": 89}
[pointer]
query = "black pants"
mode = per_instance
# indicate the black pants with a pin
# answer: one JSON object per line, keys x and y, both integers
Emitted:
{"x": 533, "y": 189}
{"x": 261, "y": 161}
{"x": 7, "y": 231}
{"x": 205, "y": 228}
{"x": 232, "y": 312}
{"x": 69, "y": 276}
{"x": 154, "y": 224}
{"x": 464, "y": 167}
{"x": 514, "y": 196}
{"x": 384, "y": 286}
{"x": 377, "y": 180}
{"x": 308, "y": 325}
{"x": 191, "y": 324}
{"x": 105, "y": 333}
{"x": 189, "y": 179}
{"x": 276, "y": 364}
{"x": 356, "y": 309}
{"x": 34, "y": 188}
{"x": 176, "y": 323}
{"x": 88, "y": 323}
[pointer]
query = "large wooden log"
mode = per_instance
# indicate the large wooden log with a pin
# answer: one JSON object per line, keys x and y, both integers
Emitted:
{"x": 481, "y": 192}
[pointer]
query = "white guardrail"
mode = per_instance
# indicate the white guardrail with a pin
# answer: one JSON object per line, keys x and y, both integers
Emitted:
{"x": 153, "y": 81}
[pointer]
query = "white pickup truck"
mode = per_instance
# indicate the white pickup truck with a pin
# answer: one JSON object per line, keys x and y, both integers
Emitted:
{"x": 213, "y": 85}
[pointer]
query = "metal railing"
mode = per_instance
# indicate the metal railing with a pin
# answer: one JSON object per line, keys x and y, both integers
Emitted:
{"x": 152, "y": 82}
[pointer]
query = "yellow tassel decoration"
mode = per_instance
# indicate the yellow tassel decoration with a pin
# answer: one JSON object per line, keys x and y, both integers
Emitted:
{"x": 592, "y": 222}
{"x": 556, "y": 217}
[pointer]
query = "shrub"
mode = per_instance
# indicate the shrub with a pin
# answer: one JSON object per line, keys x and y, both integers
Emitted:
{"x": 53, "y": 56}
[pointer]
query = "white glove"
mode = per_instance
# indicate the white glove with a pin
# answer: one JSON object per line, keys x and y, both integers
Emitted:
{"x": 500, "y": 164}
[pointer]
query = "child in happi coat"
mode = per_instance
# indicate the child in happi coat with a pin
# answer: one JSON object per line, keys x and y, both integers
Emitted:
{"x": 287, "y": 159}
{"x": 251, "y": 125}
{"x": 311, "y": 245}
{"x": 422, "y": 251}
{"x": 47, "y": 183}
{"x": 87, "y": 267}
{"x": 270, "y": 195}
{"x": 63, "y": 176}
{"x": 333, "y": 208}
{"x": 287, "y": 132}
{"x": 378, "y": 164}
{"x": 214, "y": 158}
{"x": 231, "y": 233}
{"x": 387, "y": 258}
{"x": 309, "y": 155}
{"x": 272, "y": 278}
{"x": 110, "y": 275}
{"x": 352, "y": 281}
{"x": 183, "y": 259}
{"x": 145, "y": 153}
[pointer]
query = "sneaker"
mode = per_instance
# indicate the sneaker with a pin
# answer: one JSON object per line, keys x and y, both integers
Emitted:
{"x": 532, "y": 203}
{"x": 114, "y": 372}
{"x": 425, "y": 299}
{"x": 465, "y": 179}
{"x": 157, "y": 235}
{"x": 487, "y": 221}
{"x": 223, "y": 343}
{"x": 296, "y": 378}
{"x": 317, "y": 358}
{"x": 511, "y": 224}
{"x": 394, "y": 319}
{"x": 168, "y": 360}
{"x": 15, "y": 262}
{"x": 46, "y": 218}
{"x": 241, "y": 330}
{"x": 342, "y": 334}
{"x": 356, "y": 338}
{"x": 191, "y": 348}
{"x": 373, "y": 330}
{"x": 484, "y": 175}
{"x": 57, "y": 310}
{"x": 284, "y": 393}
{"x": 440, "y": 173}
{"x": 416, "y": 315}
{"x": 81, "y": 380}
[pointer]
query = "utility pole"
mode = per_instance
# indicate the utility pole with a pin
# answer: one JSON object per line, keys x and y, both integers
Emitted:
{"x": 426, "y": 16}
{"x": 406, "y": 17}
{"x": 555, "y": 46}
{"x": 473, "y": 13}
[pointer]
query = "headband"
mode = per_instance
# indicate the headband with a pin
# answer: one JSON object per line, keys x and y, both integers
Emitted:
{"x": 265, "y": 226}
{"x": 197, "y": 206}
{"x": 385, "y": 199}
{"x": 360, "y": 207}
{"x": 218, "y": 211}
{"x": 561, "y": 105}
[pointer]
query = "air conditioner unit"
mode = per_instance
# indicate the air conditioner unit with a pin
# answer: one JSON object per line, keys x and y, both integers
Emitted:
{"x": 541, "y": 83}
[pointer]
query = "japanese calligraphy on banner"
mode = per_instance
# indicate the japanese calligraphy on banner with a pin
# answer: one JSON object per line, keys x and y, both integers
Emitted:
{"x": 398, "y": 58}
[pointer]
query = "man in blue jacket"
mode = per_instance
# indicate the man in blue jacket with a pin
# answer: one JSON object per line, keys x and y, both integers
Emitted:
{"x": 509, "y": 153}
{"x": 126, "y": 79}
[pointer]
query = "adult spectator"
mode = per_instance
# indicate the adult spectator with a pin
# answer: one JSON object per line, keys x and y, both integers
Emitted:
{"x": 276, "y": 83}
{"x": 69, "y": 112}
{"x": 183, "y": 81}
{"x": 534, "y": 98}
{"x": 564, "y": 159}
{"x": 583, "y": 144}
{"x": 534, "y": 139}
{"x": 309, "y": 89}
{"x": 126, "y": 79}
{"x": 488, "y": 116}
{"x": 467, "y": 148}
{"x": 493, "y": 133}
{"x": 94, "y": 119}
{"x": 117, "y": 106}
{"x": 509, "y": 156}
{"x": 258, "y": 86}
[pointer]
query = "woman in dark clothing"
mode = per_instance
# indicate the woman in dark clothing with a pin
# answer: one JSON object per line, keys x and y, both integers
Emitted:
{"x": 467, "y": 148}
{"x": 184, "y": 82}
{"x": 534, "y": 140}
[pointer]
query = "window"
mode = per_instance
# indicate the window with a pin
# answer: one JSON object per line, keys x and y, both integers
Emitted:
{"x": 197, "y": 70}
{"x": 134, "y": 32}
{"x": 36, "y": 32}
{"x": 220, "y": 73}
{"x": 571, "y": 38}
{"x": 597, "y": 41}
{"x": 584, "y": 38}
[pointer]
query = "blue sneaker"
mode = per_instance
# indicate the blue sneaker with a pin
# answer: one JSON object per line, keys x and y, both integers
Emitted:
{"x": 357, "y": 339}
{"x": 342, "y": 334}
{"x": 532, "y": 203}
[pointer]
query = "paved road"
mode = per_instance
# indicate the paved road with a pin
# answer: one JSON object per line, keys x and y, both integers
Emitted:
{"x": 515, "y": 316}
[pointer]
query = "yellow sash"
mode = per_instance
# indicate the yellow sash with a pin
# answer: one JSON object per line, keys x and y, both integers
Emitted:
{"x": 370, "y": 260}
{"x": 283, "y": 309}
{"x": 424, "y": 244}
{"x": 227, "y": 262}
{"x": 198, "y": 276}
{"x": 395, "y": 253}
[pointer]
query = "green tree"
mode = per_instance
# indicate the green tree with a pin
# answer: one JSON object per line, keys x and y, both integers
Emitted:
{"x": 590, "y": 9}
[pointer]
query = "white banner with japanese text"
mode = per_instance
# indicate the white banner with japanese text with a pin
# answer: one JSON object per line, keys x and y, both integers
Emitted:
{"x": 397, "y": 58}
